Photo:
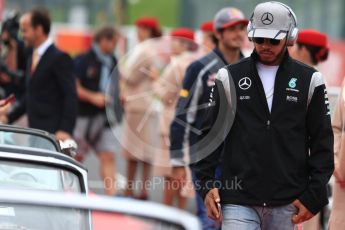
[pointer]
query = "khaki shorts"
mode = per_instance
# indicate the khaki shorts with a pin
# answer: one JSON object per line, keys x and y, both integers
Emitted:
{"x": 91, "y": 133}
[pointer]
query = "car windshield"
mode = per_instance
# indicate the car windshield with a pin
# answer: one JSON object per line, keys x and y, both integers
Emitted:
{"x": 26, "y": 140}
{"x": 30, "y": 217}
{"x": 112, "y": 220}
{"x": 23, "y": 216}
{"x": 19, "y": 175}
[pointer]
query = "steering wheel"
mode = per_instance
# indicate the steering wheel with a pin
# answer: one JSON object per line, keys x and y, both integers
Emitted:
{"x": 24, "y": 176}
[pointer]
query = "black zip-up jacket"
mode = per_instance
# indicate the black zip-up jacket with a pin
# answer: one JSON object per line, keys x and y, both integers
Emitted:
{"x": 270, "y": 158}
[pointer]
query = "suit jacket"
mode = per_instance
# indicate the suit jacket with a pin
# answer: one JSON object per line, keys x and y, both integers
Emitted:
{"x": 50, "y": 99}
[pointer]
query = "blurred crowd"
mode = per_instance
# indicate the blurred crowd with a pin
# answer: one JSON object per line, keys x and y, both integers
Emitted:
{"x": 148, "y": 106}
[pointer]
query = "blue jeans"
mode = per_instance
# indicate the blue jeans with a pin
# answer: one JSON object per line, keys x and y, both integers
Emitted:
{"x": 240, "y": 217}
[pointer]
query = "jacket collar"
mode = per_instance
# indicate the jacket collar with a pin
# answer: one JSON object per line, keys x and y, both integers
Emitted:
{"x": 43, "y": 47}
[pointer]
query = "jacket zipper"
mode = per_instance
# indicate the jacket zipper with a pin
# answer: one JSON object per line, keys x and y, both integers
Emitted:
{"x": 268, "y": 124}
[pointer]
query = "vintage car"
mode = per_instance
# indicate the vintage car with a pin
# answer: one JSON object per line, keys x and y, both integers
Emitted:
{"x": 33, "y": 159}
{"x": 42, "y": 187}
{"x": 42, "y": 210}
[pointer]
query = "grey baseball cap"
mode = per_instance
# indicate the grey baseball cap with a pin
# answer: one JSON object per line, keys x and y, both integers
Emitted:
{"x": 270, "y": 20}
{"x": 228, "y": 17}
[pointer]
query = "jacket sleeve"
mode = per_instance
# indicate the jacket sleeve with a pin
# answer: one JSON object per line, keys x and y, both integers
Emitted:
{"x": 138, "y": 65}
{"x": 320, "y": 141}
{"x": 115, "y": 93}
{"x": 79, "y": 66}
{"x": 338, "y": 127}
{"x": 217, "y": 113}
{"x": 67, "y": 85}
{"x": 178, "y": 130}
{"x": 167, "y": 86}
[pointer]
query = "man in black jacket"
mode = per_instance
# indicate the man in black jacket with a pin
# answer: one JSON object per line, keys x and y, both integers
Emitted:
{"x": 50, "y": 99}
{"x": 97, "y": 84}
{"x": 277, "y": 157}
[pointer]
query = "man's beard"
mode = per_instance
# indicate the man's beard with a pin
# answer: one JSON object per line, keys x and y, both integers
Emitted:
{"x": 275, "y": 61}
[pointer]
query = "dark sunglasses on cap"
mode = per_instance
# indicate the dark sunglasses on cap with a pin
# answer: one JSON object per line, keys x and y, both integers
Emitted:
{"x": 262, "y": 40}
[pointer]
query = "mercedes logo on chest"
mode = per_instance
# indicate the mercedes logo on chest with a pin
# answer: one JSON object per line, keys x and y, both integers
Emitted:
{"x": 245, "y": 83}
{"x": 267, "y": 18}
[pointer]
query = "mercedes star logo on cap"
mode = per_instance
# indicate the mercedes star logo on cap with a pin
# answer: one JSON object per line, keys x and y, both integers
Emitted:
{"x": 267, "y": 18}
{"x": 245, "y": 83}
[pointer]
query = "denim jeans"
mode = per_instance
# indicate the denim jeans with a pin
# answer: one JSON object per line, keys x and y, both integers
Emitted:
{"x": 238, "y": 217}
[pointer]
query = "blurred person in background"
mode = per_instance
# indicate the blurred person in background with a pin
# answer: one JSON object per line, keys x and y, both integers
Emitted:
{"x": 13, "y": 59}
{"x": 337, "y": 220}
{"x": 311, "y": 48}
{"x": 147, "y": 27}
{"x": 167, "y": 88}
{"x": 208, "y": 39}
{"x": 50, "y": 99}
{"x": 139, "y": 73}
{"x": 230, "y": 32}
{"x": 96, "y": 73}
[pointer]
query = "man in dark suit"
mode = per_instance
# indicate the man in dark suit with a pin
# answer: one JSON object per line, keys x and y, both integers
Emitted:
{"x": 50, "y": 99}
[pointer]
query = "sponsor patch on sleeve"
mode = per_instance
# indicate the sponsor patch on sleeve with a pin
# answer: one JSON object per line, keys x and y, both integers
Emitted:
{"x": 184, "y": 93}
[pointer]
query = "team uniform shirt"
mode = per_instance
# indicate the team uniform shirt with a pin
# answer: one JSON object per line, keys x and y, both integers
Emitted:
{"x": 267, "y": 75}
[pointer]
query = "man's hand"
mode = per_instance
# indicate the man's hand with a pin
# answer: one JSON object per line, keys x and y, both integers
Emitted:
{"x": 179, "y": 174}
{"x": 3, "y": 119}
{"x": 303, "y": 213}
{"x": 154, "y": 73}
{"x": 4, "y": 108}
{"x": 62, "y": 135}
{"x": 212, "y": 204}
{"x": 99, "y": 100}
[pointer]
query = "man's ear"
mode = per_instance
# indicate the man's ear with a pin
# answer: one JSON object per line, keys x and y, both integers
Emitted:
{"x": 303, "y": 48}
{"x": 39, "y": 30}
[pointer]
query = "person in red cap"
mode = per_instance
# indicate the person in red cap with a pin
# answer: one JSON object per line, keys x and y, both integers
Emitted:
{"x": 208, "y": 38}
{"x": 139, "y": 73}
{"x": 312, "y": 47}
{"x": 167, "y": 89}
{"x": 147, "y": 27}
{"x": 182, "y": 39}
{"x": 337, "y": 220}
